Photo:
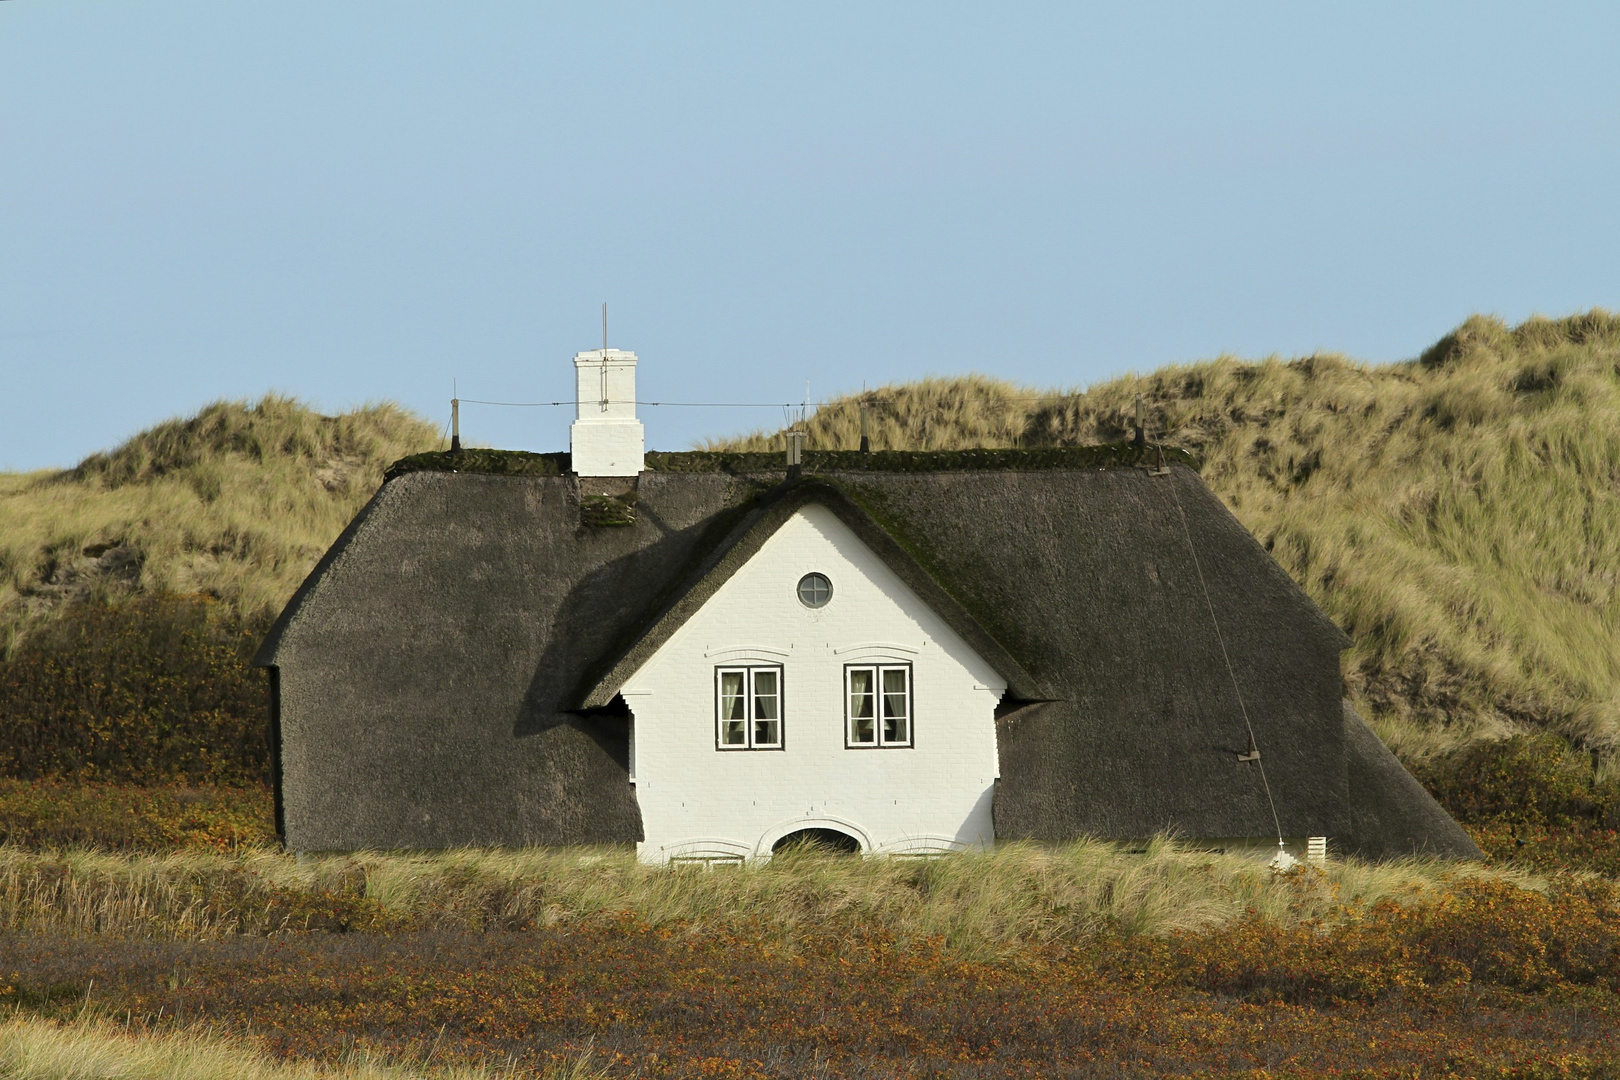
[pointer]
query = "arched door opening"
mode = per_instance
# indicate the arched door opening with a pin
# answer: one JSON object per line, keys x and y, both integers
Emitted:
{"x": 817, "y": 842}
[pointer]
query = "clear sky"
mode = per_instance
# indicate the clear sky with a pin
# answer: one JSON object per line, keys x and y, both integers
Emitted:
{"x": 362, "y": 200}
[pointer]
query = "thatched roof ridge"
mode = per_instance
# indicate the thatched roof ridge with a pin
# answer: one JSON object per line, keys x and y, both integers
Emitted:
{"x": 974, "y": 459}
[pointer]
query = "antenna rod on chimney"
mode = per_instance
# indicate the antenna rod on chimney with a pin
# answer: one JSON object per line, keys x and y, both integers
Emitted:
{"x": 604, "y": 326}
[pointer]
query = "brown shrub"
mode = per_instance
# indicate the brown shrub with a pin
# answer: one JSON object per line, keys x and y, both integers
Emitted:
{"x": 147, "y": 690}
{"x": 48, "y": 814}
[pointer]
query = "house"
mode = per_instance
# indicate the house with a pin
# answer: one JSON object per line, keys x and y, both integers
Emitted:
{"x": 710, "y": 655}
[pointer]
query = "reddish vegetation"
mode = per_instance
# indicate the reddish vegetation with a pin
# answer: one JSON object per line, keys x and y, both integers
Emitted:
{"x": 1489, "y": 981}
{"x": 41, "y": 814}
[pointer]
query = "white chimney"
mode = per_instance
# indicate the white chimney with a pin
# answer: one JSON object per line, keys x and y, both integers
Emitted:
{"x": 606, "y": 439}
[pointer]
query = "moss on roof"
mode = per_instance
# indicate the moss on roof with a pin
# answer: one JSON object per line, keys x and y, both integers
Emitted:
{"x": 523, "y": 463}
{"x": 487, "y": 462}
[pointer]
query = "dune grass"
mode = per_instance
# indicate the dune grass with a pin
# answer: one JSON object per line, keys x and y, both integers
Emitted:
{"x": 91, "y": 1048}
{"x": 237, "y": 503}
{"x": 981, "y": 904}
{"x": 1458, "y": 514}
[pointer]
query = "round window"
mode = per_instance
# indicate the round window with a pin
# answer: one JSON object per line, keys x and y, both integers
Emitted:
{"x": 814, "y": 590}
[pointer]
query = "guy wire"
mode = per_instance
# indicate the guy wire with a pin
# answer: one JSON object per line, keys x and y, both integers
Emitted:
{"x": 1192, "y": 550}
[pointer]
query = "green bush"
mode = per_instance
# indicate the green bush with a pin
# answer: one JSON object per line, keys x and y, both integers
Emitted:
{"x": 1528, "y": 780}
{"x": 148, "y": 690}
{"x": 1530, "y": 799}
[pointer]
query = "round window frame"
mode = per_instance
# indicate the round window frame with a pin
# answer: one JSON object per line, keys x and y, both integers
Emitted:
{"x": 798, "y": 590}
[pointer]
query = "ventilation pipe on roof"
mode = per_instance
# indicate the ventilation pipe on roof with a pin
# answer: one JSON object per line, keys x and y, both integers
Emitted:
{"x": 866, "y": 443}
{"x": 795, "y": 453}
{"x": 1140, "y": 442}
{"x": 455, "y": 425}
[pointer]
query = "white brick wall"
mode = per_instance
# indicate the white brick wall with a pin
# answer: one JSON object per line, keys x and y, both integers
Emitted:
{"x": 697, "y": 801}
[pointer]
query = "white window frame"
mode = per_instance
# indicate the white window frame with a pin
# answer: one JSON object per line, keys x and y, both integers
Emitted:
{"x": 749, "y": 720}
{"x": 876, "y": 670}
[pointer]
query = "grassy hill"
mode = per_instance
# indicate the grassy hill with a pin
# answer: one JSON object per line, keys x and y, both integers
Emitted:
{"x": 1458, "y": 515}
{"x": 236, "y": 503}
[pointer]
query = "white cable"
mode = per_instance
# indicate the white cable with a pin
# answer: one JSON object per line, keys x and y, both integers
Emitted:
{"x": 1192, "y": 550}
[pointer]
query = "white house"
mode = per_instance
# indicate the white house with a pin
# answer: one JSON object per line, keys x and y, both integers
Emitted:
{"x": 707, "y": 655}
{"x": 813, "y": 690}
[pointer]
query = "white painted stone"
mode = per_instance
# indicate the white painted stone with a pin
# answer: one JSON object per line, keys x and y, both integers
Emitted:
{"x": 699, "y": 802}
{"x": 605, "y": 438}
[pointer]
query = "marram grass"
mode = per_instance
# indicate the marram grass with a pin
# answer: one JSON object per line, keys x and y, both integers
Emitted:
{"x": 92, "y": 1049}
{"x": 975, "y": 903}
{"x": 237, "y": 502}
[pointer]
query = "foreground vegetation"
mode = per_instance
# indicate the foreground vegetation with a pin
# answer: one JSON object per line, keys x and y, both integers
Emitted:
{"x": 35, "y": 1049}
{"x": 983, "y": 905}
{"x": 1080, "y": 961}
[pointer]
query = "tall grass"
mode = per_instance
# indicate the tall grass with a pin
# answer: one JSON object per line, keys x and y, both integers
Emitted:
{"x": 237, "y": 503}
{"x": 976, "y": 903}
{"x": 1458, "y": 514}
{"x": 90, "y": 1049}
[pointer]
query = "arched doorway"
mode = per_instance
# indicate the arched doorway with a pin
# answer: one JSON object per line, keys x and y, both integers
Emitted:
{"x": 817, "y": 842}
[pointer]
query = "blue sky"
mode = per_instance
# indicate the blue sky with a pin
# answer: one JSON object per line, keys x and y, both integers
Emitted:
{"x": 362, "y": 201}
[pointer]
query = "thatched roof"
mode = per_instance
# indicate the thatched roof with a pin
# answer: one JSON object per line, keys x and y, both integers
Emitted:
{"x": 462, "y": 645}
{"x": 1391, "y": 814}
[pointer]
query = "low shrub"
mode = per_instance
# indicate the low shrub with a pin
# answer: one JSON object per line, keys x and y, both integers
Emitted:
{"x": 146, "y": 690}
{"x": 1479, "y": 932}
{"x": 1579, "y": 847}
{"x": 1530, "y": 799}
{"x": 1528, "y": 780}
{"x": 46, "y": 814}
{"x": 704, "y": 1001}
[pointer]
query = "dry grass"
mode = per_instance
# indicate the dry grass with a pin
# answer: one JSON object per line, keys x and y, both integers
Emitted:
{"x": 1458, "y": 515}
{"x": 237, "y": 502}
{"x": 986, "y": 903}
{"x": 90, "y": 1049}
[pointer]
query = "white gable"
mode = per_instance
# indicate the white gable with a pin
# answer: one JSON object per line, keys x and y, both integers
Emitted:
{"x": 699, "y": 799}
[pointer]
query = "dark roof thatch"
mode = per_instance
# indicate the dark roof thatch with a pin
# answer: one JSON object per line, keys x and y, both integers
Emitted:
{"x": 1391, "y": 814}
{"x": 448, "y": 672}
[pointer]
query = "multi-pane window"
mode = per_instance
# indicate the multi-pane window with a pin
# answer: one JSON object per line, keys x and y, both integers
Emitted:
{"x": 748, "y": 708}
{"x": 877, "y": 704}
